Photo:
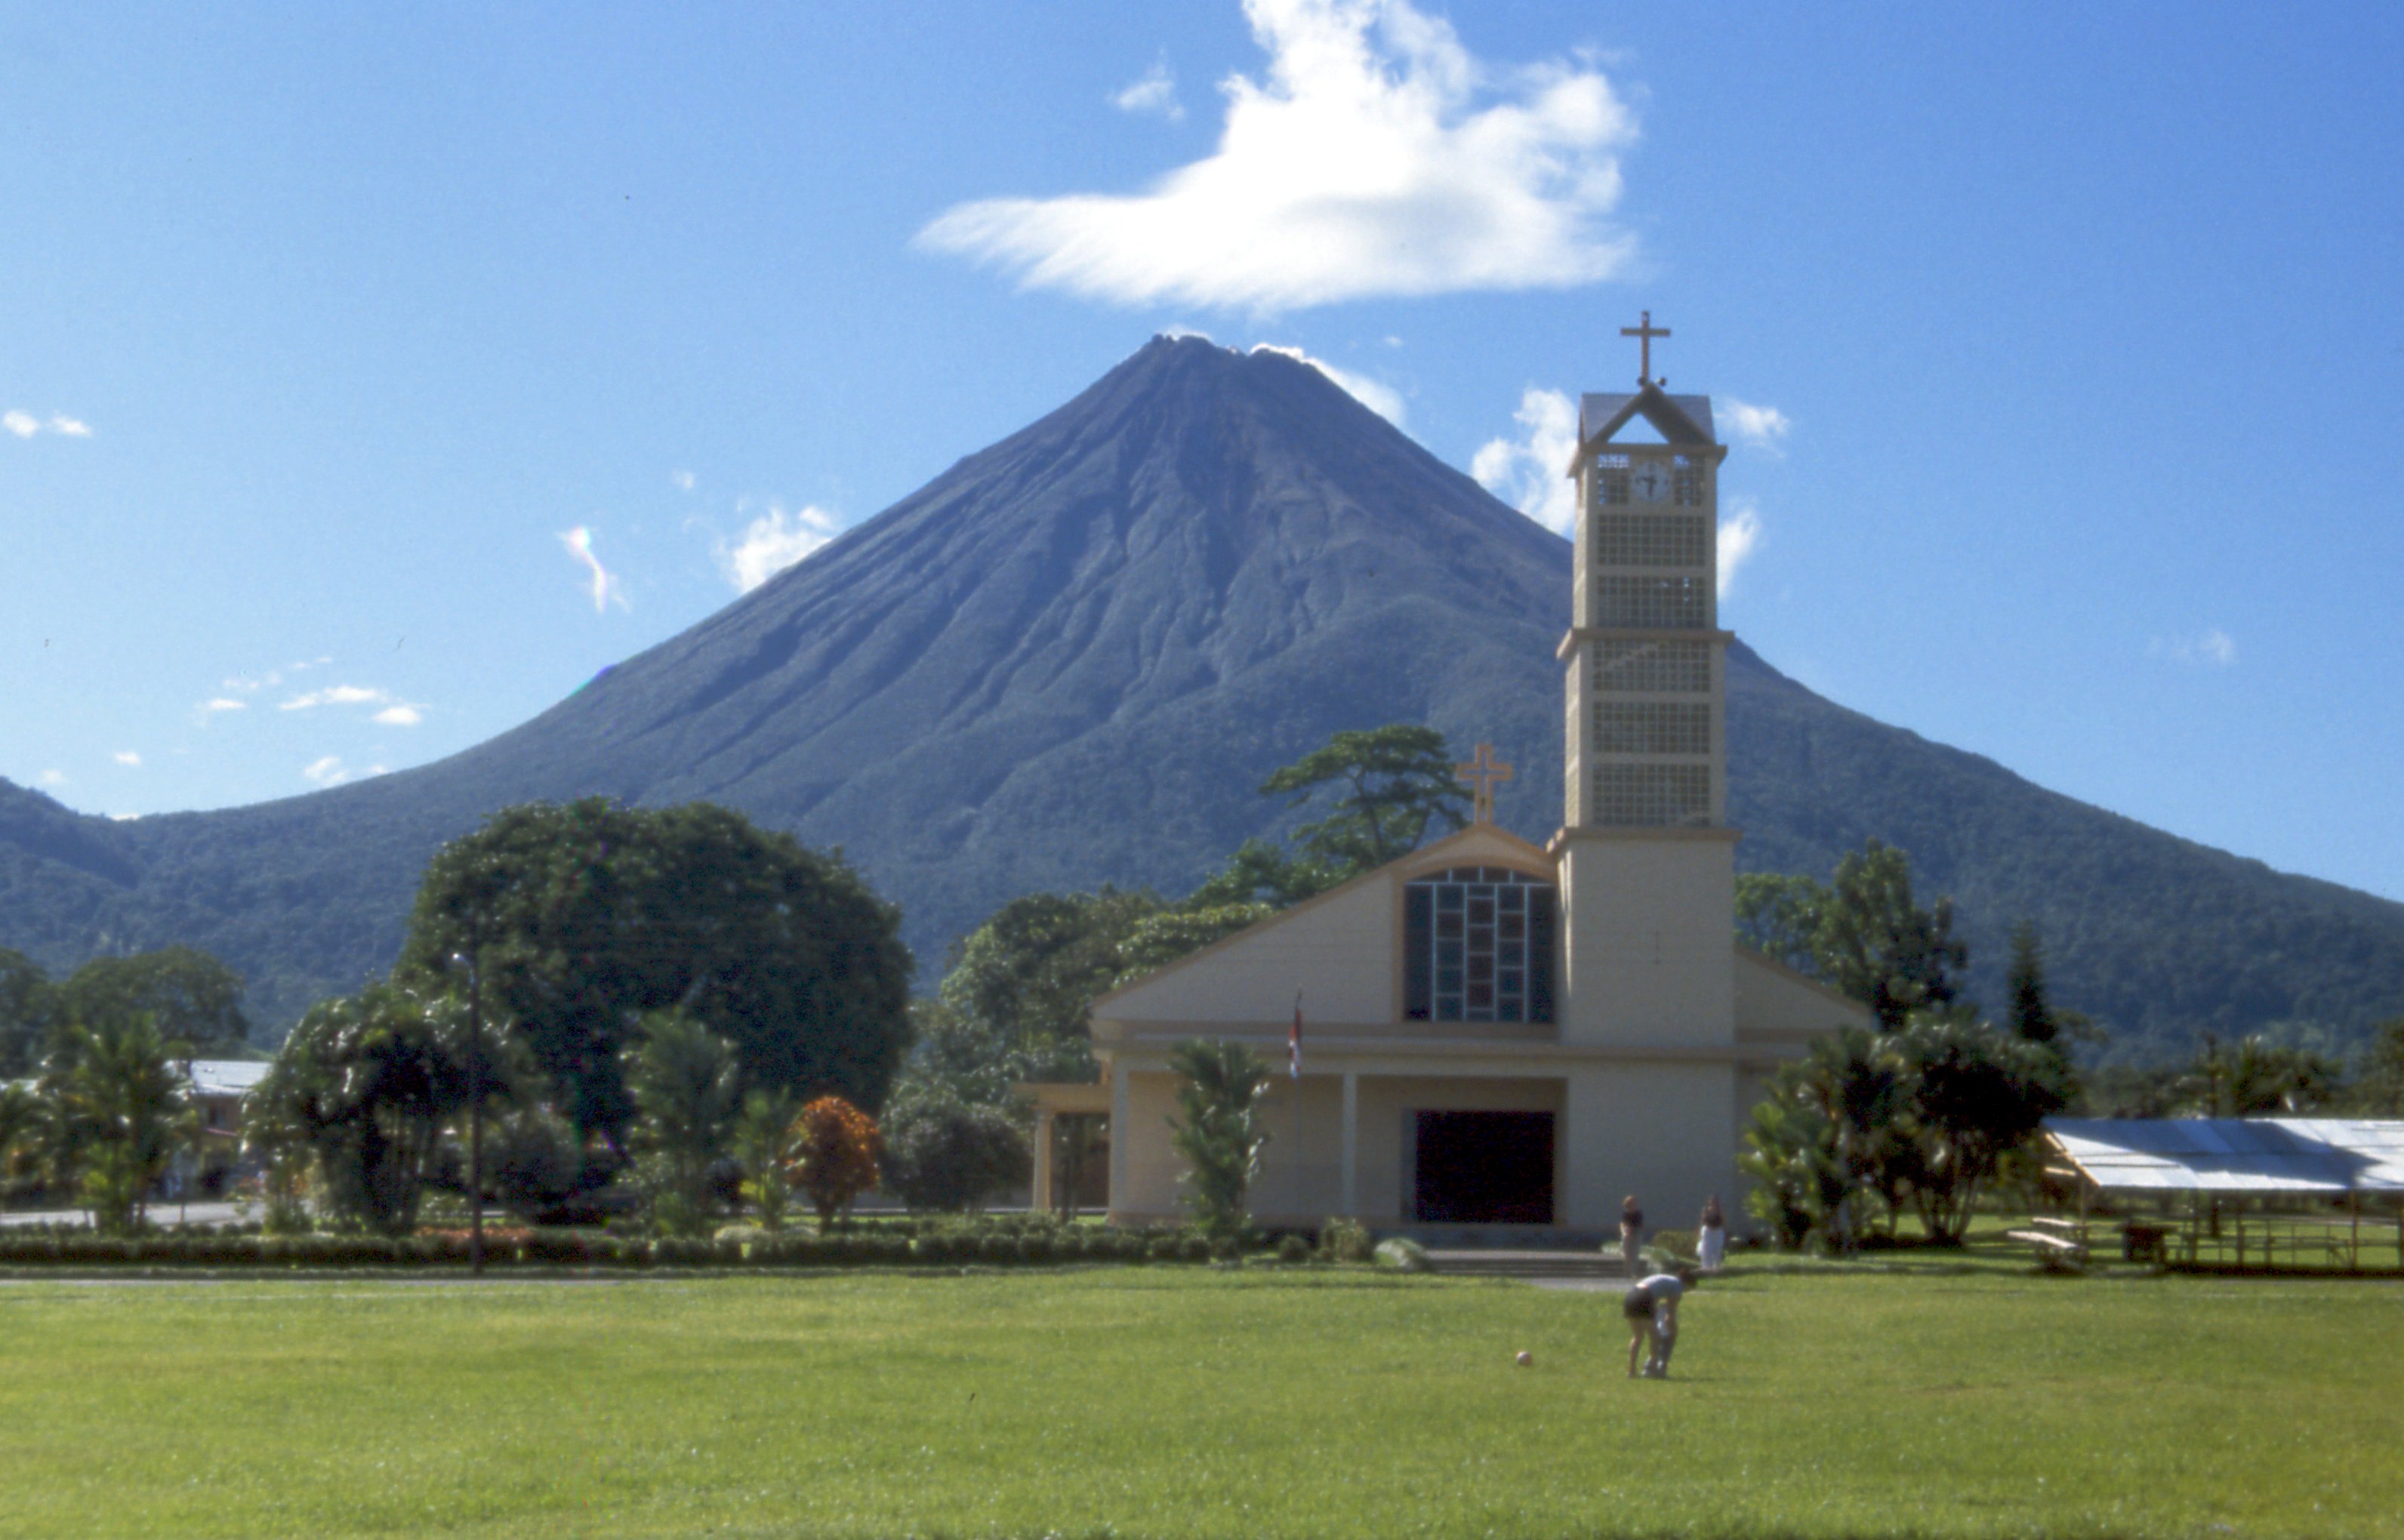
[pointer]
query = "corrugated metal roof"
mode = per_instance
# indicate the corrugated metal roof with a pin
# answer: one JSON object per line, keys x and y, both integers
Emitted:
{"x": 226, "y": 1076}
{"x": 2235, "y": 1154}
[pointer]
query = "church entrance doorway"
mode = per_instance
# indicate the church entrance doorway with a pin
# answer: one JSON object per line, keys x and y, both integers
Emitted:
{"x": 1482, "y": 1169}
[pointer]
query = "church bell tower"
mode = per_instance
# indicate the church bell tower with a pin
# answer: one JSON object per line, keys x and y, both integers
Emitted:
{"x": 1647, "y": 860}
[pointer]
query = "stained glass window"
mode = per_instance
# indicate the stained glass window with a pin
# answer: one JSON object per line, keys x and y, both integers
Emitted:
{"x": 1479, "y": 946}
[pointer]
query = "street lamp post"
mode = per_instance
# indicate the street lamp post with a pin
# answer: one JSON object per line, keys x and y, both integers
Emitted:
{"x": 475, "y": 1114}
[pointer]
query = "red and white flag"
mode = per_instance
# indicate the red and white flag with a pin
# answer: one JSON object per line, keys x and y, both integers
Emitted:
{"x": 1294, "y": 1041}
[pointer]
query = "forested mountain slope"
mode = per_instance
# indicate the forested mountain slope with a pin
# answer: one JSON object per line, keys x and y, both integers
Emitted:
{"x": 1070, "y": 659}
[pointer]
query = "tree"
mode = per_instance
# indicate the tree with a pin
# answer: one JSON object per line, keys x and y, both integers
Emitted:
{"x": 945, "y": 1154}
{"x": 1390, "y": 783}
{"x": 758, "y": 1146}
{"x": 833, "y": 1155}
{"x": 1264, "y": 875}
{"x": 1026, "y": 979}
{"x": 1978, "y": 1095}
{"x": 121, "y": 1113}
{"x": 367, "y": 1084}
{"x": 2031, "y": 1017}
{"x": 2256, "y": 1078}
{"x": 584, "y": 917}
{"x": 1877, "y": 946}
{"x": 1220, "y": 1089}
{"x": 1160, "y": 939}
{"x": 28, "y": 1005}
{"x": 1779, "y": 914}
{"x": 24, "y": 1129}
{"x": 2379, "y": 1077}
{"x": 190, "y": 996}
{"x": 687, "y": 1091}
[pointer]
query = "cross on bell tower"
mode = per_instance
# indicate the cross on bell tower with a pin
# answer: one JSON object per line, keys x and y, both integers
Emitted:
{"x": 1644, "y": 332}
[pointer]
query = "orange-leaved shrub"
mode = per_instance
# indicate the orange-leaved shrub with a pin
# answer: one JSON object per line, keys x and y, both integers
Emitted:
{"x": 833, "y": 1154}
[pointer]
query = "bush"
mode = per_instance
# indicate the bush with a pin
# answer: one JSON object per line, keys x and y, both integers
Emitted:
{"x": 943, "y": 1153}
{"x": 1292, "y": 1250}
{"x": 1344, "y": 1240}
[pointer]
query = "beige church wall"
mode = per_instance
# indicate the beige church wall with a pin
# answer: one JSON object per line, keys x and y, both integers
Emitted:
{"x": 1339, "y": 952}
{"x": 1773, "y": 1002}
{"x": 1302, "y": 1168}
{"x": 1389, "y": 1138}
{"x": 1647, "y": 941}
{"x": 1148, "y": 1187}
{"x": 1665, "y": 1132}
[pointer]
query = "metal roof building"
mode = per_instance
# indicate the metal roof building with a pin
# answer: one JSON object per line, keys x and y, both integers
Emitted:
{"x": 2233, "y": 1156}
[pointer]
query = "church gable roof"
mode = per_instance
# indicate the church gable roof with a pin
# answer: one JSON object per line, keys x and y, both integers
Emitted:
{"x": 1339, "y": 946}
{"x": 1679, "y": 419}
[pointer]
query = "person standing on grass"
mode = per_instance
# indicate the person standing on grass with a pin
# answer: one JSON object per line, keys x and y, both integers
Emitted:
{"x": 1710, "y": 1236}
{"x": 1631, "y": 1235}
{"x": 1651, "y": 1308}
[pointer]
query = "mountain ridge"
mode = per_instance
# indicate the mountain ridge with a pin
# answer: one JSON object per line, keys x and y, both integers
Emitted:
{"x": 1069, "y": 658}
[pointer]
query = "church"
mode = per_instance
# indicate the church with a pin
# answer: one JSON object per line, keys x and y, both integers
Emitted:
{"x": 1488, "y": 1032}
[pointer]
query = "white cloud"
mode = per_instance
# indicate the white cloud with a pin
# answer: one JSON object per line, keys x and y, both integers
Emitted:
{"x": 774, "y": 541}
{"x": 607, "y": 588}
{"x": 327, "y": 772}
{"x": 340, "y": 695}
{"x": 684, "y": 481}
{"x": 399, "y": 715}
{"x": 2214, "y": 648}
{"x": 1375, "y": 158}
{"x": 1531, "y": 472}
{"x": 1739, "y": 537}
{"x": 25, "y": 425}
{"x": 127, "y": 757}
{"x": 1762, "y": 428}
{"x": 1377, "y": 396}
{"x": 1156, "y": 91}
{"x": 223, "y": 703}
{"x": 123, "y": 817}
{"x": 53, "y": 777}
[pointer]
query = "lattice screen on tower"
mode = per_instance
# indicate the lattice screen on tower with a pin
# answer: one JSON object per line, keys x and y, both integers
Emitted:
{"x": 1652, "y": 540}
{"x": 1687, "y": 482}
{"x": 1676, "y": 603}
{"x": 1652, "y": 796}
{"x": 1653, "y": 727}
{"x": 1653, "y": 667}
{"x": 1611, "y": 480}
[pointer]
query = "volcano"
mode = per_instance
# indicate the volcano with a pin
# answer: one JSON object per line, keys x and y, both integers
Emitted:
{"x": 1071, "y": 657}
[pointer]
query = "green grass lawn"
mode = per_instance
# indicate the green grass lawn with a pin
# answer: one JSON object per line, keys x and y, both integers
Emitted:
{"x": 1915, "y": 1399}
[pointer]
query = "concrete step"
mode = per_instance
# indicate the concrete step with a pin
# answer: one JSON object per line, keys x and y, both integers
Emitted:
{"x": 1489, "y": 1261}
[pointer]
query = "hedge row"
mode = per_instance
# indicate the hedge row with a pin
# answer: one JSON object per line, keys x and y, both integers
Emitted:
{"x": 578, "y": 1249}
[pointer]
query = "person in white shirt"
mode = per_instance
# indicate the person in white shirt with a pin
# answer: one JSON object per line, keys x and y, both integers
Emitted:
{"x": 1711, "y": 1236}
{"x": 1651, "y": 1308}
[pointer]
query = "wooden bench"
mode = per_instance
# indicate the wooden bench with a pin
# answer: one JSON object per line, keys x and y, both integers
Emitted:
{"x": 2058, "y": 1252}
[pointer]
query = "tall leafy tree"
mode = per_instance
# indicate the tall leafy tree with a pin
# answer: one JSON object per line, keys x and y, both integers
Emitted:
{"x": 192, "y": 997}
{"x": 1779, "y": 915}
{"x": 1026, "y": 979}
{"x": 1976, "y": 1095}
{"x": 1878, "y": 946}
{"x": 368, "y": 1085}
{"x": 587, "y": 916}
{"x": 2379, "y": 1077}
{"x": 28, "y": 1003}
{"x": 687, "y": 1089}
{"x": 1387, "y": 787}
{"x": 1218, "y": 1130}
{"x": 2256, "y": 1077}
{"x": 119, "y": 1110}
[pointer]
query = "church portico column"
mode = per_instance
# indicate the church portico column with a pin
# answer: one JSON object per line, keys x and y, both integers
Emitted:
{"x": 1351, "y": 1134}
{"x": 1039, "y": 1196}
{"x": 1122, "y": 1139}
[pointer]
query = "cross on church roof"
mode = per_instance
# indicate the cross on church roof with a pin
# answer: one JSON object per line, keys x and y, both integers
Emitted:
{"x": 1644, "y": 332}
{"x": 1482, "y": 773}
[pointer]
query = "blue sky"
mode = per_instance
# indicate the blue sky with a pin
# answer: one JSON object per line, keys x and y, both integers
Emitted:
{"x": 371, "y": 378}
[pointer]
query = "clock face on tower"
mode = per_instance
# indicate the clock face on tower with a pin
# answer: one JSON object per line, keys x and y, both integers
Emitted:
{"x": 1651, "y": 481}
